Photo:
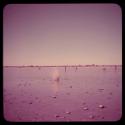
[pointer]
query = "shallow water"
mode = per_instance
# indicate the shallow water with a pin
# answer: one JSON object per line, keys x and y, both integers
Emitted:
{"x": 31, "y": 94}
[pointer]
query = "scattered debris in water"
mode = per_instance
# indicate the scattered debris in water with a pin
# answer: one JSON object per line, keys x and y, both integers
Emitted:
{"x": 67, "y": 112}
{"x": 30, "y": 103}
{"x": 85, "y": 108}
{"x": 70, "y": 86}
{"x": 87, "y": 92}
{"x": 110, "y": 93}
{"x": 101, "y": 89}
{"x": 57, "y": 116}
{"x": 101, "y": 106}
{"x": 53, "y": 96}
{"x": 91, "y": 116}
{"x": 63, "y": 117}
{"x": 102, "y": 117}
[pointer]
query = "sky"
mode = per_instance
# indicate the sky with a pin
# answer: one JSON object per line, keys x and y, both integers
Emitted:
{"x": 62, "y": 34}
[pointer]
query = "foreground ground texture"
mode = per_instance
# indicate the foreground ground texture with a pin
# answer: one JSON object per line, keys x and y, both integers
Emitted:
{"x": 59, "y": 94}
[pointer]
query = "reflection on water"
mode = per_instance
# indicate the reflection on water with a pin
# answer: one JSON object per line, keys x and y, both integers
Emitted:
{"x": 56, "y": 81}
{"x": 55, "y": 87}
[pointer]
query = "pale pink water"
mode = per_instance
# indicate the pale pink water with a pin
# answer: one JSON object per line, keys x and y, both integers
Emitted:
{"x": 31, "y": 94}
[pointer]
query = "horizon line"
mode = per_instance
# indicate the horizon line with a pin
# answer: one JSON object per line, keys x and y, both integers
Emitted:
{"x": 62, "y": 65}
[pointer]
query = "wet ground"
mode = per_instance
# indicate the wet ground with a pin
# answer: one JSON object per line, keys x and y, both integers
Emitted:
{"x": 62, "y": 94}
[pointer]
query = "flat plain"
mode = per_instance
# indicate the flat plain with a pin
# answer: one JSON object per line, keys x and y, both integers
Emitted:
{"x": 89, "y": 93}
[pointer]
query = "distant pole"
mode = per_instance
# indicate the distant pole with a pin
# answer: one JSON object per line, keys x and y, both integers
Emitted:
{"x": 115, "y": 67}
{"x": 65, "y": 68}
{"x": 76, "y": 68}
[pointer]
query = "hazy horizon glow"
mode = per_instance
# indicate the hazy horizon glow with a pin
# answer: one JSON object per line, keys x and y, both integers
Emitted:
{"x": 62, "y": 34}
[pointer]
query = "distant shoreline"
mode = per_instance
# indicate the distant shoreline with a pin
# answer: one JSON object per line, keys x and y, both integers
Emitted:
{"x": 93, "y": 65}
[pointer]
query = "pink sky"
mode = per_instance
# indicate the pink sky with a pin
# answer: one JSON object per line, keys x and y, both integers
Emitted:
{"x": 59, "y": 34}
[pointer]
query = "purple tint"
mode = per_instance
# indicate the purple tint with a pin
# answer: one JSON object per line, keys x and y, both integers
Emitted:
{"x": 88, "y": 94}
{"x": 62, "y": 62}
{"x": 61, "y": 34}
